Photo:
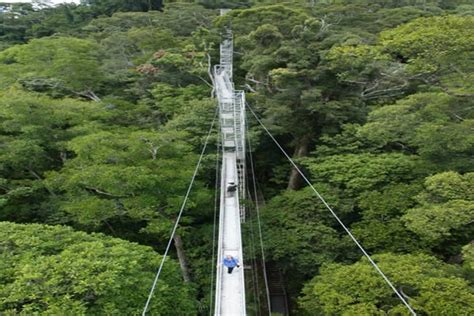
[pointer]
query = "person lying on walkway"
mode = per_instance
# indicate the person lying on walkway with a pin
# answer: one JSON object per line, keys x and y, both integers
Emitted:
{"x": 231, "y": 262}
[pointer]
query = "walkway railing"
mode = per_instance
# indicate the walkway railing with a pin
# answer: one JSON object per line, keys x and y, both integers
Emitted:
{"x": 230, "y": 288}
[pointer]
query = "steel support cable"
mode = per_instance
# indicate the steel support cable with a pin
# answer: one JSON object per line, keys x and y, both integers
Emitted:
{"x": 256, "y": 285}
{"x": 257, "y": 209}
{"x": 334, "y": 214}
{"x": 216, "y": 202}
{"x": 170, "y": 241}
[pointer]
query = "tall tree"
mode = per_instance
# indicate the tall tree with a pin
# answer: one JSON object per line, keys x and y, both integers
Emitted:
{"x": 446, "y": 212}
{"x": 61, "y": 65}
{"x": 34, "y": 130}
{"x": 430, "y": 286}
{"x": 109, "y": 7}
{"x": 55, "y": 270}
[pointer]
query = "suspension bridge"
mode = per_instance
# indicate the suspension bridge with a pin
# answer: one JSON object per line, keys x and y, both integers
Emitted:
{"x": 230, "y": 288}
{"x": 230, "y": 298}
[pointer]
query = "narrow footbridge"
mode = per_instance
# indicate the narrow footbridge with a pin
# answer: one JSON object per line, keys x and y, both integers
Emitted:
{"x": 230, "y": 288}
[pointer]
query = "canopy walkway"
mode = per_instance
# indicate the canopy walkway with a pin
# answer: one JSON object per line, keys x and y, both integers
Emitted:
{"x": 230, "y": 288}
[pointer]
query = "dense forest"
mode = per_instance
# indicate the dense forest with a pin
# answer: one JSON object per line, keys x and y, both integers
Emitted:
{"x": 104, "y": 108}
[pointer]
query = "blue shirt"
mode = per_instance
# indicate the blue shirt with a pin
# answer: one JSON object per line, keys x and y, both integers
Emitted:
{"x": 231, "y": 263}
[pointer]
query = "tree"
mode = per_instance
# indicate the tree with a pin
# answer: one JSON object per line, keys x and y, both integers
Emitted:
{"x": 55, "y": 270}
{"x": 381, "y": 228}
{"x": 283, "y": 58}
{"x": 437, "y": 49}
{"x": 50, "y": 19}
{"x": 358, "y": 173}
{"x": 368, "y": 68}
{"x": 370, "y": 97}
{"x": 433, "y": 125}
{"x": 12, "y": 22}
{"x": 57, "y": 64}
{"x": 409, "y": 55}
{"x": 180, "y": 67}
{"x": 108, "y": 7}
{"x": 300, "y": 235}
{"x": 218, "y": 4}
{"x": 122, "y": 172}
{"x": 430, "y": 286}
{"x": 468, "y": 257}
{"x": 446, "y": 211}
{"x": 128, "y": 183}
{"x": 181, "y": 19}
{"x": 33, "y": 131}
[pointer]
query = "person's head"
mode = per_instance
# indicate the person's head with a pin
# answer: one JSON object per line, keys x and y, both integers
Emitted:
{"x": 229, "y": 257}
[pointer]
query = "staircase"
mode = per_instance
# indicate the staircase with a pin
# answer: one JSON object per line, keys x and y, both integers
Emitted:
{"x": 278, "y": 297}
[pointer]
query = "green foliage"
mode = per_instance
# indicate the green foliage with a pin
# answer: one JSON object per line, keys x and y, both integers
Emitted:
{"x": 390, "y": 202}
{"x": 219, "y": 4}
{"x": 372, "y": 97}
{"x": 73, "y": 63}
{"x": 54, "y": 270}
{"x": 316, "y": 71}
{"x": 33, "y": 132}
{"x": 108, "y": 7}
{"x": 109, "y": 166}
{"x": 387, "y": 235}
{"x": 359, "y": 59}
{"x": 430, "y": 284}
{"x": 127, "y": 174}
{"x": 12, "y": 30}
{"x": 468, "y": 256}
{"x": 440, "y": 46}
{"x": 300, "y": 233}
{"x": 359, "y": 173}
{"x": 181, "y": 19}
{"x": 435, "y": 125}
{"x": 171, "y": 100}
{"x": 446, "y": 208}
{"x": 381, "y": 211}
{"x": 179, "y": 68}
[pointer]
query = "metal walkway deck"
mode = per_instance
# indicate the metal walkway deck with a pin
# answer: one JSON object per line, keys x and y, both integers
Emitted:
{"x": 230, "y": 288}
{"x": 230, "y": 291}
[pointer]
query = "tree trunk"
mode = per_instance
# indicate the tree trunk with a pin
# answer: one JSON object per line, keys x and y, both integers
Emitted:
{"x": 295, "y": 182}
{"x": 183, "y": 262}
